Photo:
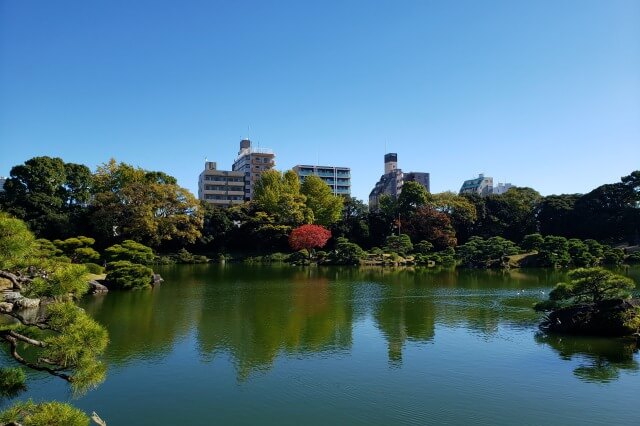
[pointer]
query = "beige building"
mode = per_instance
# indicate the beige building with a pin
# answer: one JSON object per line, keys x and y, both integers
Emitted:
{"x": 222, "y": 188}
{"x": 251, "y": 162}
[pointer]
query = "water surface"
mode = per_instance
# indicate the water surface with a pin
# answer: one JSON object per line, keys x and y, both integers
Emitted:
{"x": 247, "y": 345}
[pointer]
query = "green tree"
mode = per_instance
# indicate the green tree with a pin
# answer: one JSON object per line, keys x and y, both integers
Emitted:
{"x": 591, "y": 285}
{"x": 554, "y": 252}
{"x": 532, "y": 242}
{"x": 346, "y": 253}
{"x": 130, "y": 251}
{"x": 63, "y": 341}
{"x": 29, "y": 413}
{"x": 146, "y": 206}
{"x": 400, "y": 244}
{"x": 481, "y": 253}
{"x": 326, "y": 206}
{"x": 278, "y": 195}
{"x": 49, "y": 194}
{"x": 412, "y": 197}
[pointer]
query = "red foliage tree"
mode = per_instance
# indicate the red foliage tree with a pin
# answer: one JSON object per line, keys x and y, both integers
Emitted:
{"x": 309, "y": 237}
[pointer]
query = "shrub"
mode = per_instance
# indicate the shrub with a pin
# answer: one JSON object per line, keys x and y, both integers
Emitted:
{"x": 94, "y": 268}
{"x": 613, "y": 256}
{"x": 634, "y": 257}
{"x": 423, "y": 247}
{"x": 400, "y": 244}
{"x": 183, "y": 256}
{"x": 131, "y": 251}
{"x": 85, "y": 255}
{"x": 346, "y": 253}
{"x": 12, "y": 381}
{"x": 125, "y": 275}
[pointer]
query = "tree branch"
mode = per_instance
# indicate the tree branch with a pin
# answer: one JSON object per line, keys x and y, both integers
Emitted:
{"x": 26, "y": 339}
{"x": 15, "y": 280}
{"x": 14, "y": 353}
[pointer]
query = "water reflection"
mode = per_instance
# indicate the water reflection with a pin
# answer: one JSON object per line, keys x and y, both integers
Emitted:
{"x": 600, "y": 359}
{"x": 256, "y": 319}
{"x": 255, "y": 314}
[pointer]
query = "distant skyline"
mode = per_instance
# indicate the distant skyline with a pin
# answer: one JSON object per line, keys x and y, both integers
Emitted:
{"x": 541, "y": 94}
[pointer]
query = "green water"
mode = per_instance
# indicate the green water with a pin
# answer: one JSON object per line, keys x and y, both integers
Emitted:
{"x": 245, "y": 345}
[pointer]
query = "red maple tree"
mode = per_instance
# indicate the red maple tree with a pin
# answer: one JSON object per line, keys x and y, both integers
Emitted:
{"x": 309, "y": 237}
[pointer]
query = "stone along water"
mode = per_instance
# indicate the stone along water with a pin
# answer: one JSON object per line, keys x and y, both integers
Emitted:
{"x": 278, "y": 345}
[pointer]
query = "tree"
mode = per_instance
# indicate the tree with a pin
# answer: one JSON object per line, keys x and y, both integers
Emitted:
{"x": 326, "y": 206}
{"x": 130, "y": 251}
{"x": 460, "y": 210}
{"x": 29, "y": 413}
{"x": 124, "y": 275}
{"x": 309, "y": 237}
{"x": 346, "y": 253}
{"x": 591, "y": 285}
{"x": 412, "y": 197}
{"x": 481, "y": 253}
{"x": 278, "y": 195}
{"x": 554, "y": 252}
{"x": 149, "y": 207}
{"x": 400, "y": 244}
{"x": 61, "y": 339}
{"x": 354, "y": 224}
{"x": 555, "y": 215}
{"x": 49, "y": 194}
{"x": 430, "y": 225}
{"x": 532, "y": 242}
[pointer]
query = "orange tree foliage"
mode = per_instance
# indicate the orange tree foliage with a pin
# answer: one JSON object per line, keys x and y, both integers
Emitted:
{"x": 309, "y": 237}
{"x": 431, "y": 225}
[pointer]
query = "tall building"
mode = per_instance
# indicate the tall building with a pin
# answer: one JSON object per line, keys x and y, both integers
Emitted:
{"x": 338, "y": 178}
{"x": 222, "y": 188}
{"x": 391, "y": 181}
{"x": 2, "y": 181}
{"x": 501, "y": 188}
{"x": 482, "y": 186}
{"x": 252, "y": 162}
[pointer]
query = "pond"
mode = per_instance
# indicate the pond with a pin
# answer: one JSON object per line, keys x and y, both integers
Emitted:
{"x": 283, "y": 345}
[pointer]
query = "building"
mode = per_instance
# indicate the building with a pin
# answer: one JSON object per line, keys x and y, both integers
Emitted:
{"x": 482, "y": 186}
{"x": 222, "y": 188}
{"x": 391, "y": 181}
{"x": 252, "y": 162}
{"x": 2, "y": 181}
{"x": 338, "y": 178}
{"x": 501, "y": 188}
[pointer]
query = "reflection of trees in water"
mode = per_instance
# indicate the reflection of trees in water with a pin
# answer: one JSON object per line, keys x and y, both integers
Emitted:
{"x": 258, "y": 317}
{"x": 601, "y": 359}
{"x": 404, "y": 312}
{"x": 145, "y": 323}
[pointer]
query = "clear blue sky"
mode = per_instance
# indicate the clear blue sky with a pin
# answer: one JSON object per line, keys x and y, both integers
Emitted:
{"x": 541, "y": 93}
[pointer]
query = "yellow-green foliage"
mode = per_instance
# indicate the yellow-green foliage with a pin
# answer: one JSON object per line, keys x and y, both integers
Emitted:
{"x": 12, "y": 381}
{"x": 63, "y": 279}
{"x": 80, "y": 341}
{"x": 29, "y": 413}
{"x": 16, "y": 242}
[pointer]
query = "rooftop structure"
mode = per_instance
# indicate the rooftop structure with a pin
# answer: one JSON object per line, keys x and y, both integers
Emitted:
{"x": 338, "y": 178}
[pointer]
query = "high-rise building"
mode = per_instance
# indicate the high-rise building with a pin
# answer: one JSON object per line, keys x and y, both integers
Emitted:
{"x": 2, "y": 181}
{"x": 222, "y": 188}
{"x": 252, "y": 162}
{"x": 482, "y": 186}
{"x": 501, "y": 188}
{"x": 391, "y": 181}
{"x": 338, "y": 178}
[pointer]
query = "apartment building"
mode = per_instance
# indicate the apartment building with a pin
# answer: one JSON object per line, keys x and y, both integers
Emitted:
{"x": 391, "y": 181}
{"x": 482, "y": 186}
{"x": 252, "y": 162}
{"x": 222, "y": 188}
{"x": 338, "y": 178}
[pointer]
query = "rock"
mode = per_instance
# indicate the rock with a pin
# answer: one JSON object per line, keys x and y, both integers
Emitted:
{"x": 96, "y": 288}
{"x": 156, "y": 279}
{"x": 5, "y": 284}
{"x": 616, "y": 317}
{"x": 19, "y": 301}
{"x": 6, "y": 306}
